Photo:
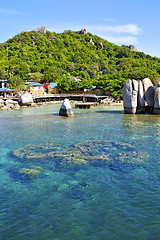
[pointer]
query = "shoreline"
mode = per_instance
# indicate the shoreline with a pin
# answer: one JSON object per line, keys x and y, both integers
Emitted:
{"x": 10, "y": 104}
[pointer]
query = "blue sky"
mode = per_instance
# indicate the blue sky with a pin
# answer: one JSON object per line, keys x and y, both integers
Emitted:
{"x": 118, "y": 21}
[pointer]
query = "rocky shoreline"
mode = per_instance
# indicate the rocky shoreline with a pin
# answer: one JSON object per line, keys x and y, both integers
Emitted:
{"x": 26, "y": 100}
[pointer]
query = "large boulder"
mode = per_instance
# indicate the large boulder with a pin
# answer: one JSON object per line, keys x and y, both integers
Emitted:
{"x": 12, "y": 104}
{"x": 66, "y": 109}
{"x": 25, "y": 99}
{"x": 132, "y": 47}
{"x": 130, "y": 94}
{"x": 157, "y": 99}
{"x": 149, "y": 93}
{"x": 1, "y": 103}
{"x": 141, "y": 100}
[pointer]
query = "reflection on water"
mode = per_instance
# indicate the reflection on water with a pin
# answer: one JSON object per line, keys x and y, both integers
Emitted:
{"x": 43, "y": 196}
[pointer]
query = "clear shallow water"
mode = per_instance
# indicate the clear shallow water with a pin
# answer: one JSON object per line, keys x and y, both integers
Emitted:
{"x": 85, "y": 202}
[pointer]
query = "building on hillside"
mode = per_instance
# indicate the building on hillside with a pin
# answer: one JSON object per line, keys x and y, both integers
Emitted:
{"x": 36, "y": 88}
{"x": 6, "y": 92}
{"x": 53, "y": 88}
{"x": 3, "y": 83}
{"x": 33, "y": 87}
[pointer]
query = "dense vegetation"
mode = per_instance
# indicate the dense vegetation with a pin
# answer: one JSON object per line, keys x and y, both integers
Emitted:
{"x": 54, "y": 57}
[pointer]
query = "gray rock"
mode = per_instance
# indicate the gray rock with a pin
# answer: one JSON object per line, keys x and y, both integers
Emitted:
{"x": 141, "y": 100}
{"x": 12, "y": 104}
{"x": 149, "y": 93}
{"x": 157, "y": 99}
{"x": 5, "y": 107}
{"x": 130, "y": 94}
{"x": 101, "y": 45}
{"x": 25, "y": 99}
{"x": 83, "y": 31}
{"x": 66, "y": 109}
{"x": 132, "y": 47}
{"x": 91, "y": 41}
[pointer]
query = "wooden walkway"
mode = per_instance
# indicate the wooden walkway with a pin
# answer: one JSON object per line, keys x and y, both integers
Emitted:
{"x": 61, "y": 97}
{"x": 71, "y": 97}
{"x": 86, "y": 105}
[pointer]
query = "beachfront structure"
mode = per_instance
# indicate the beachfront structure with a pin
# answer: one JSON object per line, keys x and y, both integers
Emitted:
{"x": 5, "y": 92}
{"x": 36, "y": 88}
{"x": 53, "y": 88}
{"x": 3, "y": 83}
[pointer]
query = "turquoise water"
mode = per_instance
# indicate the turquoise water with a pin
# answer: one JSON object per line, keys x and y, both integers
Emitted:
{"x": 54, "y": 196}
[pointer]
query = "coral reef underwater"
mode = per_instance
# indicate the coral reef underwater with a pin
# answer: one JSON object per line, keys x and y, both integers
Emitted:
{"x": 96, "y": 153}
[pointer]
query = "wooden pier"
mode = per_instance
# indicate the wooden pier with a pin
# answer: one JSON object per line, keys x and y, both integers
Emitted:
{"x": 60, "y": 97}
{"x": 86, "y": 105}
{"x": 72, "y": 97}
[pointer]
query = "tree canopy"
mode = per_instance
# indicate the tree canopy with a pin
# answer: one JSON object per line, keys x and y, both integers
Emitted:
{"x": 61, "y": 57}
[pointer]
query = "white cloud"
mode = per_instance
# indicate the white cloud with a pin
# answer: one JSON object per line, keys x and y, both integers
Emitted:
{"x": 10, "y": 11}
{"x": 121, "y": 39}
{"x": 128, "y": 28}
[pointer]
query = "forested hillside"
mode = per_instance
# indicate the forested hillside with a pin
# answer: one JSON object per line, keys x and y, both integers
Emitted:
{"x": 53, "y": 57}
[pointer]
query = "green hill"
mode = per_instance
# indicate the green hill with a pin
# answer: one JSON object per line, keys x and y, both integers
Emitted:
{"x": 53, "y": 57}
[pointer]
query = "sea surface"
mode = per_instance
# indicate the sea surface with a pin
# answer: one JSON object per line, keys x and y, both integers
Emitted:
{"x": 93, "y": 176}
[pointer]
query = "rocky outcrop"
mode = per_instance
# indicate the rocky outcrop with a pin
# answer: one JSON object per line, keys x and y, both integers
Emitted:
{"x": 149, "y": 93}
{"x": 8, "y": 104}
{"x": 91, "y": 41}
{"x": 141, "y": 100}
{"x": 101, "y": 45}
{"x": 132, "y": 47}
{"x": 41, "y": 30}
{"x": 157, "y": 99}
{"x": 141, "y": 97}
{"x": 26, "y": 99}
{"x": 83, "y": 31}
{"x": 130, "y": 94}
{"x": 66, "y": 109}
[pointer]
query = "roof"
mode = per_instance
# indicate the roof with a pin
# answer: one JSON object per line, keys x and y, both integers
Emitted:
{"x": 53, "y": 85}
{"x": 36, "y": 84}
{"x": 3, "y": 80}
{"x": 6, "y": 90}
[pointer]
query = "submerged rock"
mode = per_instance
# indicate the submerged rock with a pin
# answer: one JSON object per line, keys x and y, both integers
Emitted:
{"x": 66, "y": 109}
{"x": 130, "y": 94}
{"x": 96, "y": 153}
{"x": 30, "y": 172}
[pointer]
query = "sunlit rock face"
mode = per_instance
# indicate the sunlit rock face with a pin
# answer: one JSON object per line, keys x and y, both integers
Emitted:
{"x": 25, "y": 99}
{"x": 157, "y": 99}
{"x": 149, "y": 93}
{"x": 66, "y": 109}
{"x": 130, "y": 94}
{"x": 141, "y": 100}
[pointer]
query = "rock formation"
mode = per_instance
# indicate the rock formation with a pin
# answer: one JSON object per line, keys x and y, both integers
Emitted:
{"x": 141, "y": 100}
{"x": 149, "y": 93}
{"x": 157, "y": 99}
{"x": 83, "y": 31}
{"x": 91, "y": 41}
{"x": 101, "y": 45}
{"x": 8, "y": 104}
{"x": 41, "y": 30}
{"x": 26, "y": 99}
{"x": 141, "y": 97}
{"x": 130, "y": 94}
{"x": 132, "y": 47}
{"x": 66, "y": 109}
